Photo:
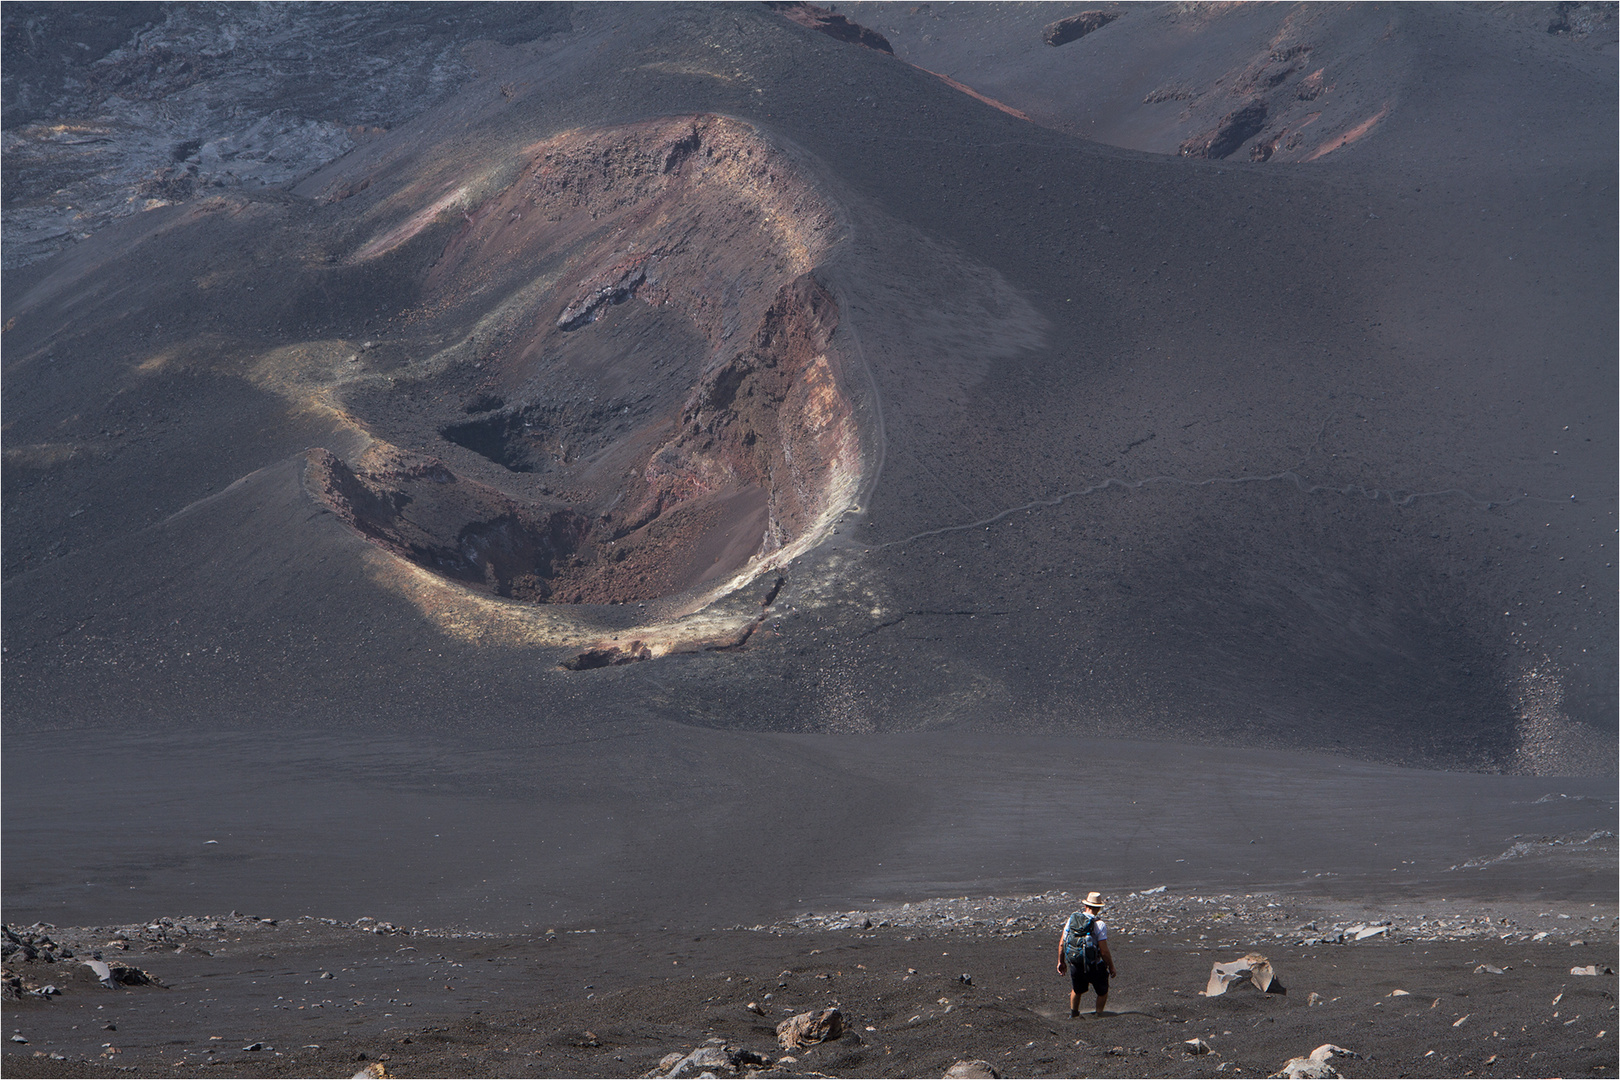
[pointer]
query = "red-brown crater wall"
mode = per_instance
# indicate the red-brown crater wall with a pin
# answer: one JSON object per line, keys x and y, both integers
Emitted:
{"x": 570, "y": 459}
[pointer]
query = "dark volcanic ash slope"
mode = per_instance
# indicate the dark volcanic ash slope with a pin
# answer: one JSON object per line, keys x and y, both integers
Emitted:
{"x": 1283, "y": 83}
{"x": 1037, "y": 434}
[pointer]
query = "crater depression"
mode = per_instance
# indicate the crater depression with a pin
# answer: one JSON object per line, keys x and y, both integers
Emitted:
{"x": 651, "y": 398}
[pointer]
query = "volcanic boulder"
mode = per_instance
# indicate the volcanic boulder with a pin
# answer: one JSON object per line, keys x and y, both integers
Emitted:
{"x": 811, "y": 1027}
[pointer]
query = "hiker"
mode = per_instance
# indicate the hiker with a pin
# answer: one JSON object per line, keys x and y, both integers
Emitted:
{"x": 1083, "y": 953}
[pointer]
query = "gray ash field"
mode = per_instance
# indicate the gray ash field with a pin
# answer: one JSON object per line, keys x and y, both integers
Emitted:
{"x": 559, "y": 467}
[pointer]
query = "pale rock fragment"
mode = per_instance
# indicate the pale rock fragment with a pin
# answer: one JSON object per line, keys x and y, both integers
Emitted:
{"x": 1316, "y": 1066}
{"x": 1253, "y": 969}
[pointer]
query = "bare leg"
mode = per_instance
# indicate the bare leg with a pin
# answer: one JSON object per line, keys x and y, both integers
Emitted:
{"x": 1102, "y": 999}
{"x": 1074, "y": 1003}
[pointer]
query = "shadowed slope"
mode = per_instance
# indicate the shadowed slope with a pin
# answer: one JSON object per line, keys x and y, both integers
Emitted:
{"x": 1283, "y": 83}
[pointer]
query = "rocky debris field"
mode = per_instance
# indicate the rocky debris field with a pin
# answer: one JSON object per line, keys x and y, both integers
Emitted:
{"x": 109, "y": 115}
{"x": 34, "y": 944}
{"x": 952, "y": 986}
{"x": 1220, "y": 917}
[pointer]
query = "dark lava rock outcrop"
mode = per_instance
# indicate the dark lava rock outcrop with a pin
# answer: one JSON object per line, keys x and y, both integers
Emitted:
{"x": 416, "y": 508}
{"x": 1235, "y": 128}
{"x": 1076, "y": 27}
{"x": 831, "y": 23}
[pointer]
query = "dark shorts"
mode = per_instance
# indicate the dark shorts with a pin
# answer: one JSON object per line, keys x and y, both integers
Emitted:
{"x": 1097, "y": 977}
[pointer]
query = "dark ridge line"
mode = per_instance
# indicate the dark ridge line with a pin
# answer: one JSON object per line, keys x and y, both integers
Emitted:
{"x": 880, "y": 626}
{"x": 905, "y": 615}
{"x": 1373, "y": 494}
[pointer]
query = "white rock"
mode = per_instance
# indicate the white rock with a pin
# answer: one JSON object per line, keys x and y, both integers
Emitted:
{"x": 1328, "y": 1051}
{"x": 1315, "y": 1067}
{"x": 1253, "y": 969}
{"x": 703, "y": 1059}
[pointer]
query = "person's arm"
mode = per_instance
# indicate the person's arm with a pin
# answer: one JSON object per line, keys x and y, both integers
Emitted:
{"x": 1108, "y": 957}
{"x": 1063, "y": 964}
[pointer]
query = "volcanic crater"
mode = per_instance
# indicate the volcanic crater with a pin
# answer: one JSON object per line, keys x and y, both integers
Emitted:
{"x": 645, "y": 395}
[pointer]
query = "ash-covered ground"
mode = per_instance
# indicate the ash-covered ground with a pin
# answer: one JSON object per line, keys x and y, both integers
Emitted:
{"x": 1439, "y": 989}
{"x": 568, "y": 467}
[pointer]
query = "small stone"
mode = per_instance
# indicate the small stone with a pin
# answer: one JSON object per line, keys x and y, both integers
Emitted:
{"x": 18, "y": 1039}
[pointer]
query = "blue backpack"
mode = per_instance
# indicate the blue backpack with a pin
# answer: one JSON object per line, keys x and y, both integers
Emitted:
{"x": 1080, "y": 950}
